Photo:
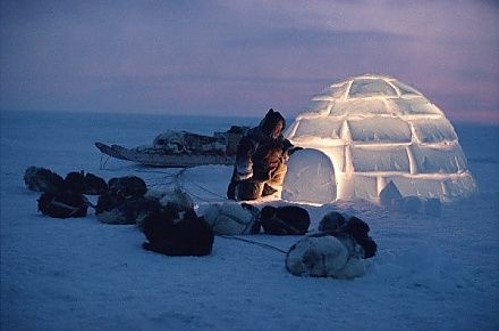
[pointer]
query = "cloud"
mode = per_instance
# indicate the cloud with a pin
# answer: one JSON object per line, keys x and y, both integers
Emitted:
{"x": 216, "y": 56}
{"x": 291, "y": 38}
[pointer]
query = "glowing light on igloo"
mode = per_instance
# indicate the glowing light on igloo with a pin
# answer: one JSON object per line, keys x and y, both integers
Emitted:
{"x": 368, "y": 131}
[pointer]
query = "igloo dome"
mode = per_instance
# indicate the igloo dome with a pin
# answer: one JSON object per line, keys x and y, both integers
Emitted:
{"x": 367, "y": 131}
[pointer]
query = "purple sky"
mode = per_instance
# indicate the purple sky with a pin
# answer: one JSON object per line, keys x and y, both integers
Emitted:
{"x": 243, "y": 57}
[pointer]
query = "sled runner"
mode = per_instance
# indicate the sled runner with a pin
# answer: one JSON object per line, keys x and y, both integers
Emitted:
{"x": 181, "y": 149}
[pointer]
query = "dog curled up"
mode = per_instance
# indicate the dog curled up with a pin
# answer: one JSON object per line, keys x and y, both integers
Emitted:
{"x": 337, "y": 224}
{"x": 44, "y": 180}
{"x": 338, "y": 251}
{"x": 284, "y": 220}
{"x": 123, "y": 202}
{"x": 232, "y": 218}
{"x": 323, "y": 255}
{"x": 177, "y": 233}
{"x": 63, "y": 198}
{"x": 84, "y": 183}
{"x": 63, "y": 205}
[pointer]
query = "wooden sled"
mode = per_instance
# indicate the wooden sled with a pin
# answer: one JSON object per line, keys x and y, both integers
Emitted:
{"x": 170, "y": 154}
{"x": 155, "y": 157}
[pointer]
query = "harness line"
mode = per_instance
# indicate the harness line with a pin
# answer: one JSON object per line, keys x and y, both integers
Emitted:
{"x": 264, "y": 245}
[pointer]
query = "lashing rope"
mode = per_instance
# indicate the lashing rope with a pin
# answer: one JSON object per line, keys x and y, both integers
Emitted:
{"x": 264, "y": 245}
{"x": 178, "y": 180}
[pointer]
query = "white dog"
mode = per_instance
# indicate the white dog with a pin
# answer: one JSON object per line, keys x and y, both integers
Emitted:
{"x": 324, "y": 255}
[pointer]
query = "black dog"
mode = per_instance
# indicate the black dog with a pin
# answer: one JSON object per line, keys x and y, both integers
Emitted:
{"x": 63, "y": 205}
{"x": 73, "y": 182}
{"x": 127, "y": 186}
{"x": 116, "y": 209}
{"x": 43, "y": 180}
{"x": 337, "y": 224}
{"x": 287, "y": 220}
{"x": 176, "y": 233}
{"x": 124, "y": 201}
{"x": 79, "y": 182}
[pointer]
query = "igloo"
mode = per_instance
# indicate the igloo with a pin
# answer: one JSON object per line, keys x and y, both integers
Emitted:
{"x": 367, "y": 131}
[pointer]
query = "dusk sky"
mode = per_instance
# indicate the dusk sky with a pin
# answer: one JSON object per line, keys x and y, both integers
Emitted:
{"x": 243, "y": 57}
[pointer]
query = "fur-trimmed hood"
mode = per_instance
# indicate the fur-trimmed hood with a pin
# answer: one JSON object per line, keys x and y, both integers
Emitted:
{"x": 273, "y": 124}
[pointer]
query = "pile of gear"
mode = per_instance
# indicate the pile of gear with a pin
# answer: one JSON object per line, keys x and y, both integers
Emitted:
{"x": 183, "y": 142}
{"x": 172, "y": 227}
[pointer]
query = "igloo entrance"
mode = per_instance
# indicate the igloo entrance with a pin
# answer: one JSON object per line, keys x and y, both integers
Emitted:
{"x": 310, "y": 168}
{"x": 374, "y": 129}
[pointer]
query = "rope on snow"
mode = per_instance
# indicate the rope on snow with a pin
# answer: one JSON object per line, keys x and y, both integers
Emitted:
{"x": 264, "y": 245}
{"x": 103, "y": 163}
{"x": 177, "y": 180}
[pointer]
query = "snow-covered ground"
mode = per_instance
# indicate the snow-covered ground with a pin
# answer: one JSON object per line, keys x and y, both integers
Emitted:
{"x": 430, "y": 273}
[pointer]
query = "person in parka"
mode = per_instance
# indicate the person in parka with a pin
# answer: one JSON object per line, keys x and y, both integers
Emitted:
{"x": 260, "y": 160}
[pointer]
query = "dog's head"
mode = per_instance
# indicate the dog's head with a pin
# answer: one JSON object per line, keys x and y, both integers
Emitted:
{"x": 332, "y": 222}
{"x": 357, "y": 228}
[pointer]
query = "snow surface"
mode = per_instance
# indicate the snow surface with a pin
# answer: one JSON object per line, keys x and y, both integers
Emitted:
{"x": 430, "y": 273}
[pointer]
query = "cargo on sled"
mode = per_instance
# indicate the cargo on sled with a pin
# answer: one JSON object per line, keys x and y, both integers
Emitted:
{"x": 181, "y": 149}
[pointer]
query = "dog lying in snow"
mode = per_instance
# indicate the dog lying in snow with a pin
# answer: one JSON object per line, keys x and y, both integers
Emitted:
{"x": 63, "y": 198}
{"x": 123, "y": 202}
{"x": 177, "y": 233}
{"x": 84, "y": 183}
{"x": 127, "y": 186}
{"x": 63, "y": 205}
{"x": 167, "y": 219}
{"x": 335, "y": 224}
{"x": 285, "y": 220}
{"x": 116, "y": 209}
{"x": 44, "y": 180}
{"x": 323, "y": 255}
{"x": 338, "y": 251}
{"x": 232, "y": 218}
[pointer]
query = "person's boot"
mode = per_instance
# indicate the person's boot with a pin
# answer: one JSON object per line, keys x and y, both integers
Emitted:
{"x": 268, "y": 190}
{"x": 231, "y": 191}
